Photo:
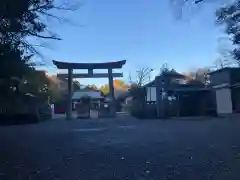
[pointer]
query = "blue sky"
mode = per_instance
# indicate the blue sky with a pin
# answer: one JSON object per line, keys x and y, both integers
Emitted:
{"x": 144, "y": 32}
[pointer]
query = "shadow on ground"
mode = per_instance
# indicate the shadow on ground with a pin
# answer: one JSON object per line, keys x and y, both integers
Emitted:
{"x": 121, "y": 148}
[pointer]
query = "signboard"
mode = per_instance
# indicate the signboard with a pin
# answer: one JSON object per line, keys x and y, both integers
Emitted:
{"x": 151, "y": 94}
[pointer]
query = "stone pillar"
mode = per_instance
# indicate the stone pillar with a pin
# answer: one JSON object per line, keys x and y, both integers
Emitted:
{"x": 111, "y": 92}
{"x": 69, "y": 101}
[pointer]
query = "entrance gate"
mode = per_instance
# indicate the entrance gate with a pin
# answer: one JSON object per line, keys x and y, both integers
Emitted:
{"x": 90, "y": 67}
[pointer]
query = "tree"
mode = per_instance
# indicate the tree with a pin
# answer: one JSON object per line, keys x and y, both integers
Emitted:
{"x": 104, "y": 89}
{"x": 36, "y": 83}
{"x": 76, "y": 86}
{"x": 190, "y": 7}
{"x": 13, "y": 65}
{"x": 91, "y": 87}
{"x": 142, "y": 76}
{"x": 226, "y": 58}
{"x": 24, "y": 18}
{"x": 165, "y": 69}
{"x": 118, "y": 85}
{"x": 182, "y": 3}
{"x": 198, "y": 76}
{"x": 229, "y": 16}
{"x": 190, "y": 1}
{"x": 221, "y": 63}
{"x": 19, "y": 20}
{"x": 54, "y": 93}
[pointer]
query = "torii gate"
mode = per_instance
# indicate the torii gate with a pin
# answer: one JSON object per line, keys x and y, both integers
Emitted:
{"x": 90, "y": 67}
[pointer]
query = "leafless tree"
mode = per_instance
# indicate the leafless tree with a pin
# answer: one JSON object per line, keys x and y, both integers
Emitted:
{"x": 200, "y": 75}
{"x": 225, "y": 58}
{"x": 193, "y": 2}
{"x": 180, "y": 7}
{"x": 142, "y": 77}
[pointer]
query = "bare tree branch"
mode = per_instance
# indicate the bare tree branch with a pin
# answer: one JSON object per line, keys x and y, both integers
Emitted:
{"x": 143, "y": 76}
{"x": 44, "y": 37}
{"x": 191, "y": 7}
{"x": 198, "y": 1}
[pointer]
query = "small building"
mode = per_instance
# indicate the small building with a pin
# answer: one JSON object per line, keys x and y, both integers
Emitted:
{"x": 87, "y": 102}
{"x": 226, "y": 84}
{"x": 170, "y": 94}
{"x": 95, "y": 96}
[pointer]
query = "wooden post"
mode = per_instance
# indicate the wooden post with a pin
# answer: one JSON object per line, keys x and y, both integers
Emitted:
{"x": 111, "y": 92}
{"x": 178, "y": 104}
{"x": 160, "y": 99}
{"x": 69, "y": 101}
{"x": 158, "y": 94}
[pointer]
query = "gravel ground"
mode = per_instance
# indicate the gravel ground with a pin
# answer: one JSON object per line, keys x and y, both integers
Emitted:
{"x": 123, "y": 148}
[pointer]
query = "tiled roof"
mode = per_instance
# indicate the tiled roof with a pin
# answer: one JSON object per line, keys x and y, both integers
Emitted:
{"x": 82, "y": 93}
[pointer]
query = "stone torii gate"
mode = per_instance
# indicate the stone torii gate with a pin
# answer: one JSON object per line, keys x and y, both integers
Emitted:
{"x": 90, "y": 67}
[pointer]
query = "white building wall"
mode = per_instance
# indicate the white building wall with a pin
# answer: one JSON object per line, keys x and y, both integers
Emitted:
{"x": 224, "y": 101}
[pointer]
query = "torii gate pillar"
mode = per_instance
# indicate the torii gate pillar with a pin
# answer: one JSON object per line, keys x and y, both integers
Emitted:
{"x": 70, "y": 91}
{"x": 111, "y": 92}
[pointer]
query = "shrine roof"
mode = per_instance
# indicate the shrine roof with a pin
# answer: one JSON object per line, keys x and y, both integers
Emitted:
{"x": 104, "y": 65}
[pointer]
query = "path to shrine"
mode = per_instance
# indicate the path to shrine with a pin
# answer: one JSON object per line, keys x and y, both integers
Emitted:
{"x": 122, "y": 148}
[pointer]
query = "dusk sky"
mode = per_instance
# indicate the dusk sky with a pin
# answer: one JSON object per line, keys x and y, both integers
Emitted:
{"x": 144, "y": 32}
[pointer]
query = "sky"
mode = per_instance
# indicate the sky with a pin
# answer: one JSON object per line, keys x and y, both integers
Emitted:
{"x": 146, "y": 33}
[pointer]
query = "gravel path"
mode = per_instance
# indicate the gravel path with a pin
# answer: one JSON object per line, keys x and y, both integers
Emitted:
{"x": 110, "y": 149}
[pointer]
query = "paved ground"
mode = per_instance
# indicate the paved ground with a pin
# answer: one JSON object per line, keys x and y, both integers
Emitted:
{"x": 122, "y": 149}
